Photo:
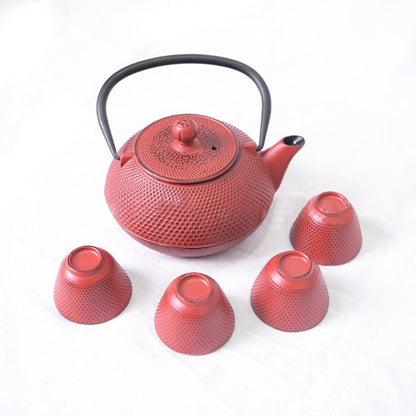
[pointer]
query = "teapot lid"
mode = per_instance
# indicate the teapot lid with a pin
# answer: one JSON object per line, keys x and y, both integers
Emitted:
{"x": 187, "y": 148}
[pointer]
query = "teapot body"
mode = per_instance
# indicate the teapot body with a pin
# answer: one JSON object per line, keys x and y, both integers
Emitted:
{"x": 192, "y": 219}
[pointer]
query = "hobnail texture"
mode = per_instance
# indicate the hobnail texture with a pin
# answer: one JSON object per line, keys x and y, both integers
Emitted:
{"x": 194, "y": 316}
{"x": 327, "y": 230}
{"x": 168, "y": 150}
{"x": 91, "y": 287}
{"x": 290, "y": 293}
{"x": 196, "y": 219}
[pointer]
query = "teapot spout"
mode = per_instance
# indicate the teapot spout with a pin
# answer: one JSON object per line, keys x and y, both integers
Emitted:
{"x": 278, "y": 157}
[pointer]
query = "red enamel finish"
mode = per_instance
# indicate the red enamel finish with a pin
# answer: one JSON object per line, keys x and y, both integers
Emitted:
{"x": 186, "y": 149}
{"x": 91, "y": 287}
{"x": 290, "y": 293}
{"x": 193, "y": 251}
{"x": 327, "y": 230}
{"x": 185, "y": 130}
{"x": 194, "y": 316}
{"x": 84, "y": 259}
{"x": 193, "y": 196}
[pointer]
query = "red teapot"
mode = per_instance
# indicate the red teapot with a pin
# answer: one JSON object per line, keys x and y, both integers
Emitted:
{"x": 190, "y": 185}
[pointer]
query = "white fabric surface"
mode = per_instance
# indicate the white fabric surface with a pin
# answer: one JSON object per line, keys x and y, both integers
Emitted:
{"x": 342, "y": 74}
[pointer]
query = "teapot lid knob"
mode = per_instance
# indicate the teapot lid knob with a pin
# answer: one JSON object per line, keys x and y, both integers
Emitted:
{"x": 185, "y": 130}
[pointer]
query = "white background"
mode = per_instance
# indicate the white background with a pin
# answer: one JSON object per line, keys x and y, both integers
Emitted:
{"x": 342, "y": 74}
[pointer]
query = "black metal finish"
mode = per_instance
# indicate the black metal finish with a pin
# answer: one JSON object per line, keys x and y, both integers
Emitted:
{"x": 181, "y": 59}
{"x": 294, "y": 140}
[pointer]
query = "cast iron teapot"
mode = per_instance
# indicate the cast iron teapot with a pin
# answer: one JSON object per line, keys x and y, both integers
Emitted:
{"x": 190, "y": 185}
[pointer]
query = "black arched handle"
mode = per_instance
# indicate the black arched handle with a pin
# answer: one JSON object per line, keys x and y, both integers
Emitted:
{"x": 181, "y": 59}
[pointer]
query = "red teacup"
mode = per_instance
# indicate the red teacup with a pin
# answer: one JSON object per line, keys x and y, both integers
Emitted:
{"x": 194, "y": 316}
{"x": 91, "y": 287}
{"x": 327, "y": 230}
{"x": 290, "y": 293}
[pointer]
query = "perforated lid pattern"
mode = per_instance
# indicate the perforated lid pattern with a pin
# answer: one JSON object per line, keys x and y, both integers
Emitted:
{"x": 192, "y": 215}
{"x": 289, "y": 309}
{"x": 194, "y": 335}
{"x": 216, "y": 150}
{"x": 328, "y": 242}
{"x": 95, "y": 303}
